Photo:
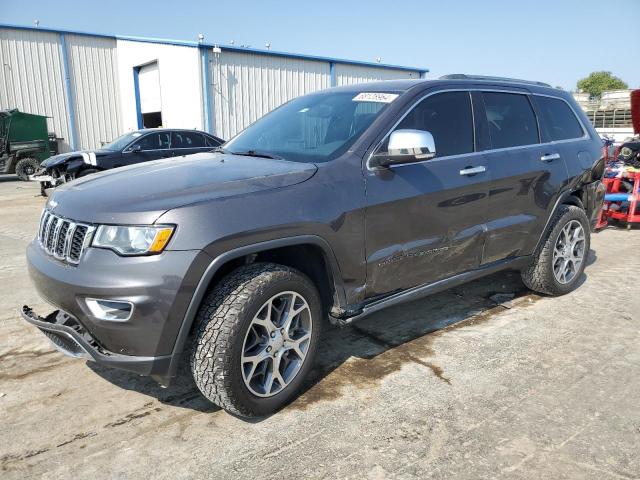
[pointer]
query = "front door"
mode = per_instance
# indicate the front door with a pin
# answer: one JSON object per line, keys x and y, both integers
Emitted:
{"x": 151, "y": 146}
{"x": 425, "y": 220}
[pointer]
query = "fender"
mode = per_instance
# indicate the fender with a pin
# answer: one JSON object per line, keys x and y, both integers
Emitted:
{"x": 219, "y": 261}
{"x": 565, "y": 198}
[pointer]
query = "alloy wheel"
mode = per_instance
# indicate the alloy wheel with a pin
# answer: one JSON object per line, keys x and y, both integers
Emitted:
{"x": 569, "y": 252}
{"x": 276, "y": 344}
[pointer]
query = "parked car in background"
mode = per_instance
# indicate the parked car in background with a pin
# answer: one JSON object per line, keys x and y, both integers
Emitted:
{"x": 333, "y": 206}
{"x": 131, "y": 148}
{"x": 24, "y": 142}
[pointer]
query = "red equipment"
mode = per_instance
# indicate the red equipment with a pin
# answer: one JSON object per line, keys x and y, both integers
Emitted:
{"x": 635, "y": 110}
{"x": 623, "y": 199}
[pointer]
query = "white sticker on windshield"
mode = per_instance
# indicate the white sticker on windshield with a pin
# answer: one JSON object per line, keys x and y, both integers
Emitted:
{"x": 136, "y": 134}
{"x": 375, "y": 97}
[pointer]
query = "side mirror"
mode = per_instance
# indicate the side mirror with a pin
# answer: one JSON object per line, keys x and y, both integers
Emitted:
{"x": 135, "y": 149}
{"x": 405, "y": 146}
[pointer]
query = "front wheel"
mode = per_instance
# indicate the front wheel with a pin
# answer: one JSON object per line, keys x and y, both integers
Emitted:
{"x": 256, "y": 339}
{"x": 559, "y": 261}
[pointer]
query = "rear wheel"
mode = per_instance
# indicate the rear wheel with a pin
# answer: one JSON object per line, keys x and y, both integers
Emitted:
{"x": 256, "y": 339}
{"x": 558, "y": 263}
{"x": 26, "y": 167}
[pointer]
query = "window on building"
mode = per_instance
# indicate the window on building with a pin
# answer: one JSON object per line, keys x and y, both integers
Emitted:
{"x": 511, "y": 120}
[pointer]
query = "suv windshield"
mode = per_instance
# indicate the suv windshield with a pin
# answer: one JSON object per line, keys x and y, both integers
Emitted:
{"x": 313, "y": 128}
{"x": 122, "y": 141}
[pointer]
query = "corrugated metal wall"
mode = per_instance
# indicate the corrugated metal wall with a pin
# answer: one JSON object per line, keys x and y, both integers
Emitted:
{"x": 350, "y": 74}
{"x": 94, "y": 85}
{"x": 245, "y": 86}
{"x": 31, "y": 77}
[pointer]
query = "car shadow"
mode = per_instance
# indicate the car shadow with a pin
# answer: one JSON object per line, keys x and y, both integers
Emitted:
{"x": 363, "y": 354}
{"x": 9, "y": 178}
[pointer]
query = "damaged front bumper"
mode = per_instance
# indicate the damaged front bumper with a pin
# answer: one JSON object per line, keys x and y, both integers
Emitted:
{"x": 68, "y": 336}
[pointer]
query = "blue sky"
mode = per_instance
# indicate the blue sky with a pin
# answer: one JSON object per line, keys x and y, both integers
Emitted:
{"x": 556, "y": 41}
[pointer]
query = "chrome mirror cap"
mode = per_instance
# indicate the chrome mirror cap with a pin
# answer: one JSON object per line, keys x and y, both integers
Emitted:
{"x": 405, "y": 146}
{"x": 417, "y": 143}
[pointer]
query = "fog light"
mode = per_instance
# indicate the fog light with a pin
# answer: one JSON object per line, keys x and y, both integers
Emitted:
{"x": 113, "y": 310}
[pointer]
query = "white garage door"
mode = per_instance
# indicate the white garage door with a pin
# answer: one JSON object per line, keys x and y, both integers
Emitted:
{"x": 149, "y": 83}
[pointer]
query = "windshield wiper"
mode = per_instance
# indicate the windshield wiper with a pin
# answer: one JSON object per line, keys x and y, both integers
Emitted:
{"x": 256, "y": 153}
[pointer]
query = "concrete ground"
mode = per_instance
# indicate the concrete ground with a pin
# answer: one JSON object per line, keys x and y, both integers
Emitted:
{"x": 453, "y": 386}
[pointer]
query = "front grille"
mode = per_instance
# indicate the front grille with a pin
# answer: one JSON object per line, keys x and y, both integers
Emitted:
{"x": 62, "y": 238}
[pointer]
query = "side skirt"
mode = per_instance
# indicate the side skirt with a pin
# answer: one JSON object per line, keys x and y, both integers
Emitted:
{"x": 431, "y": 288}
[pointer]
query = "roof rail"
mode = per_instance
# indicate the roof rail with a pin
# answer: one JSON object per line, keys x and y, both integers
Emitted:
{"x": 462, "y": 76}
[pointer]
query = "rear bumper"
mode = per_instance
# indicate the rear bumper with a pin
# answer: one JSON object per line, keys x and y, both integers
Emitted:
{"x": 71, "y": 338}
{"x": 595, "y": 198}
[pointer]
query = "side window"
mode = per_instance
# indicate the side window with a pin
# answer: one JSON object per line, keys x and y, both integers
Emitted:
{"x": 449, "y": 118}
{"x": 558, "y": 120}
{"x": 186, "y": 140}
{"x": 165, "y": 140}
{"x": 511, "y": 120}
{"x": 211, "y": 142}
{"x": 149, "y": 142}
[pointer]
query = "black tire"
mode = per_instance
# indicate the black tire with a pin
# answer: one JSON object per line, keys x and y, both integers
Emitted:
{"x": 87, "y": 171}
{"x": 27, "y": 166}
{"x": 222, "y": 323}
{"x": 539, "y": 275}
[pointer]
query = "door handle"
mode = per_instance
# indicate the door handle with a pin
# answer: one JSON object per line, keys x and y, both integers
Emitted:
{"x": 473, "y": 170}
{"x": 550, "y": 156}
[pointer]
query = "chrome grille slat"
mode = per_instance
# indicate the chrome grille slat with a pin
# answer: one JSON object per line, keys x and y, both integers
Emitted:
{"x": 62, "y": 238}
{"x": 46, "y": 231}
{"x": 67, "y": 244}
{"x": 51, "y": 232}
{"x": 56, "y": 236}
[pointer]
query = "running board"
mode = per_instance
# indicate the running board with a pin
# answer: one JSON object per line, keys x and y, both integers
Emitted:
{"x": 429, "y": 289}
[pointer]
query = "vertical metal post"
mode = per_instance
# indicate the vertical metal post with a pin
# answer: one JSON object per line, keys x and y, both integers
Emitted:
{"x": 71, "y": 110}
{"x": 206, "y": 90}
{"x": 136, "y": 93}
{"x": 332, "y": 74}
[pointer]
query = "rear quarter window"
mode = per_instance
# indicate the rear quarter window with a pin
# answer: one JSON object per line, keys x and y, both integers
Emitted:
{"x": 558, "y": 120}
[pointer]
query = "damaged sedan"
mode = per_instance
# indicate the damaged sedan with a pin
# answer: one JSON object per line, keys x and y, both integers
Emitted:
{"x": 131, "y": 148}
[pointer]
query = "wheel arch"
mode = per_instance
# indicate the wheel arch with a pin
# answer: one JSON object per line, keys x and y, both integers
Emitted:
{"x": 568, "y": 197}
{"x": 310, "y": 254}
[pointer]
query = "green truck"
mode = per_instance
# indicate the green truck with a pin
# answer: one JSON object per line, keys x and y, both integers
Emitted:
{"x": 24, "y": 142}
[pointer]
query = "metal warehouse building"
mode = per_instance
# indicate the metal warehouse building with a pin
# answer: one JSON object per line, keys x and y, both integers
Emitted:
{"x": 96, "y": 87}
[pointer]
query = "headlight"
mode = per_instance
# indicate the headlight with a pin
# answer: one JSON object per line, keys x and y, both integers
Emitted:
{"x": 132, "y": 240}
{"x": 626, "y": 153}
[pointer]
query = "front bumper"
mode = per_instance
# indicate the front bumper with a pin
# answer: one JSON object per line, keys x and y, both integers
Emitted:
{"x": 160, "y": 288}
{"x": 68, "y": 336}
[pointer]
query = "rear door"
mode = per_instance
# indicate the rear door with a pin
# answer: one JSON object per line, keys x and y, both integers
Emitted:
{"x": 425, "y": 220}
{"x": 184, "y": 142}
{"x": 526, "y": 175}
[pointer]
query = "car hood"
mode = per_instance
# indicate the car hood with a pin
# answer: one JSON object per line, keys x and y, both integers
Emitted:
{"x": 139, "y": 194}
{"x": 63, "y": 157}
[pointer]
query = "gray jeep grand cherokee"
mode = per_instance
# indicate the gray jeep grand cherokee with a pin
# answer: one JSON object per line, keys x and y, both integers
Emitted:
{"x": 333, "y": 206}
